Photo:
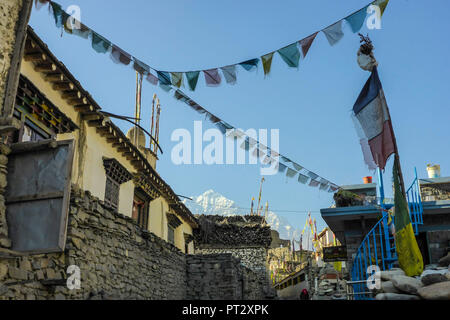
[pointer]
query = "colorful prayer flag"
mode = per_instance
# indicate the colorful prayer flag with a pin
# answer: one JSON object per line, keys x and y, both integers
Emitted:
{"x": 373, "y": 123}
{"x": 212, "y": 77}
{"x": 100, "y": 44}
{"x": 409, "y": 256}
{"x": 229, "y": 72}
{"x": 306, "y": 43}
{"x": 334, "y": 33}
{"x": 249, "y": 64}
{"x": 177, "y": 79}
{"x": 357, "y": 19}
{"x": 267, "y": 62}
{"x": 120, "y": 56}
{"x": 290, "y": 55}
{"x": 192, "y": 79}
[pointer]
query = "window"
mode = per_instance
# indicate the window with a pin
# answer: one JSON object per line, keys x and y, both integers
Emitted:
{"x": 116, "y": 174}
{"x": 141, "y": 205}
{"x": 39, "y": 117}
{"x": 112, "y": 193}
{"x": 170, "y": 234}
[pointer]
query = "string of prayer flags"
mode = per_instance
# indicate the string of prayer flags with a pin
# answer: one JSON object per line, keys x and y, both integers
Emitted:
{"x": 290, "y": 54}
{"x": 334, "y": 33}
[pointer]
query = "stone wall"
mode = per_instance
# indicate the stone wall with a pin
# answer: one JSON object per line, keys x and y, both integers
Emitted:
{"x": 222, "y": 276}
{"x": 117, "y": 259}
{"x": 438, "y": 244}
{"x": 435, "y": 192}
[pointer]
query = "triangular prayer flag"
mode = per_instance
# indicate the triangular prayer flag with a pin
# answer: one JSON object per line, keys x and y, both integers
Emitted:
{"x": 120, "y": 56}
{"x": 297, "y": 166}
{"x": 267, "y": 62}
{"x": 82, "y": 31}
{"x": 281, "y": 167}
{"x": 313, "y": 183}
{"x": 192, "y": 79}
{"x": 152, "y": 79}
{"x": 57, "y": 13}
{"x": 357, "y": 19}
{"x": 164, "y": 80}
{"x": 307, "y": 42}
{"x": 290, "y": 173}
{"x": 334, "y": 33}
{"x": 212, "y": 77}
{"x": 302, "y": 178}
{"x": 140, "y": 66}
{"x": 177, "y": 78}
{"x": 229, "y": 72}
{"x": 312, "y": 175}
{"x": 100, "y": 44}
{"x": 290, "y": 55}
{"x": 249, "y": 64}
{"x": 382, "y": 4}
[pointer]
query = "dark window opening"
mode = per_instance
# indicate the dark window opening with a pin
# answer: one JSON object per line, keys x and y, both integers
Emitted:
{"x": 141, "y": 207}
{"x": 112, "y": 193}
{"x": 171, "y": 234}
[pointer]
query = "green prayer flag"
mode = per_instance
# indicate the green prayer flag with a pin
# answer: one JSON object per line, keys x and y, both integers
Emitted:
{"x": 382, "y": 4}
{"x": 408, "y": 252}
{"x": 290, "y": 55}
{"x": 267, "y": 62}
{"x": 192, "y": 79}
{"x": 177, "y": 78}
{"x": 100, "y": 44}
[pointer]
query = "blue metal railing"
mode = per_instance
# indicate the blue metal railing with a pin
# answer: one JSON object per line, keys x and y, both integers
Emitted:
{"x": 378, "y": 246}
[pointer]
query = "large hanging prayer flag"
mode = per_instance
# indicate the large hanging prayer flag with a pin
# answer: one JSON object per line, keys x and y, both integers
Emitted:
{"x": 229, "y": 72}
{"x": 212, "y": 77}
{"x": 373, "y": 123}
{"x": 267, "y": 62}
{"x": 357, "y": 19}
{"x": 409, "y": 256}
{"x": 57, "y": 13}
{"x": 192, "y": 79}
{"x": 290, "y": 55}
{"x": 334, "y": 33}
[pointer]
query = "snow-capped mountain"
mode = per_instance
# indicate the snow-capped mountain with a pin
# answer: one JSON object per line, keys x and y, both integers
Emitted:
{"x": 212, "y": 203}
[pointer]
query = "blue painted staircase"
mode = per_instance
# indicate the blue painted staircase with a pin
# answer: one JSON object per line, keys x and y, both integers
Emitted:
{"x": 378, "y": 246}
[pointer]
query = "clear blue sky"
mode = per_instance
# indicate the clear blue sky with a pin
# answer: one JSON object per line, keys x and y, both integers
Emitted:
{"x": 311, "y": 106}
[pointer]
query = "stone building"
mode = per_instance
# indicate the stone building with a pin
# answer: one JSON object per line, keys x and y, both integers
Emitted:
{"x": 246, "y": 238}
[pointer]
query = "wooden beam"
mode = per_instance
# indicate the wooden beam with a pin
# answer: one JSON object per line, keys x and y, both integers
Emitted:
{"x": 35, "y": 57}
{"x": 54, "y": 77}
{"x": 45, "y": 67}
{"x": 73, "y": 94}
{"x": 83, "y": 108}
{"x": 91, "y": 116}
{"x": 75, "y": 102}
{"x": 63, "y": 85}
{"x": 95, "y": 123}
{"x": 123, "y": 149}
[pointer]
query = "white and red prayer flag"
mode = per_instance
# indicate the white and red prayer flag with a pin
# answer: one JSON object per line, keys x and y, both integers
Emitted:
{"x": 373, "y": 123}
